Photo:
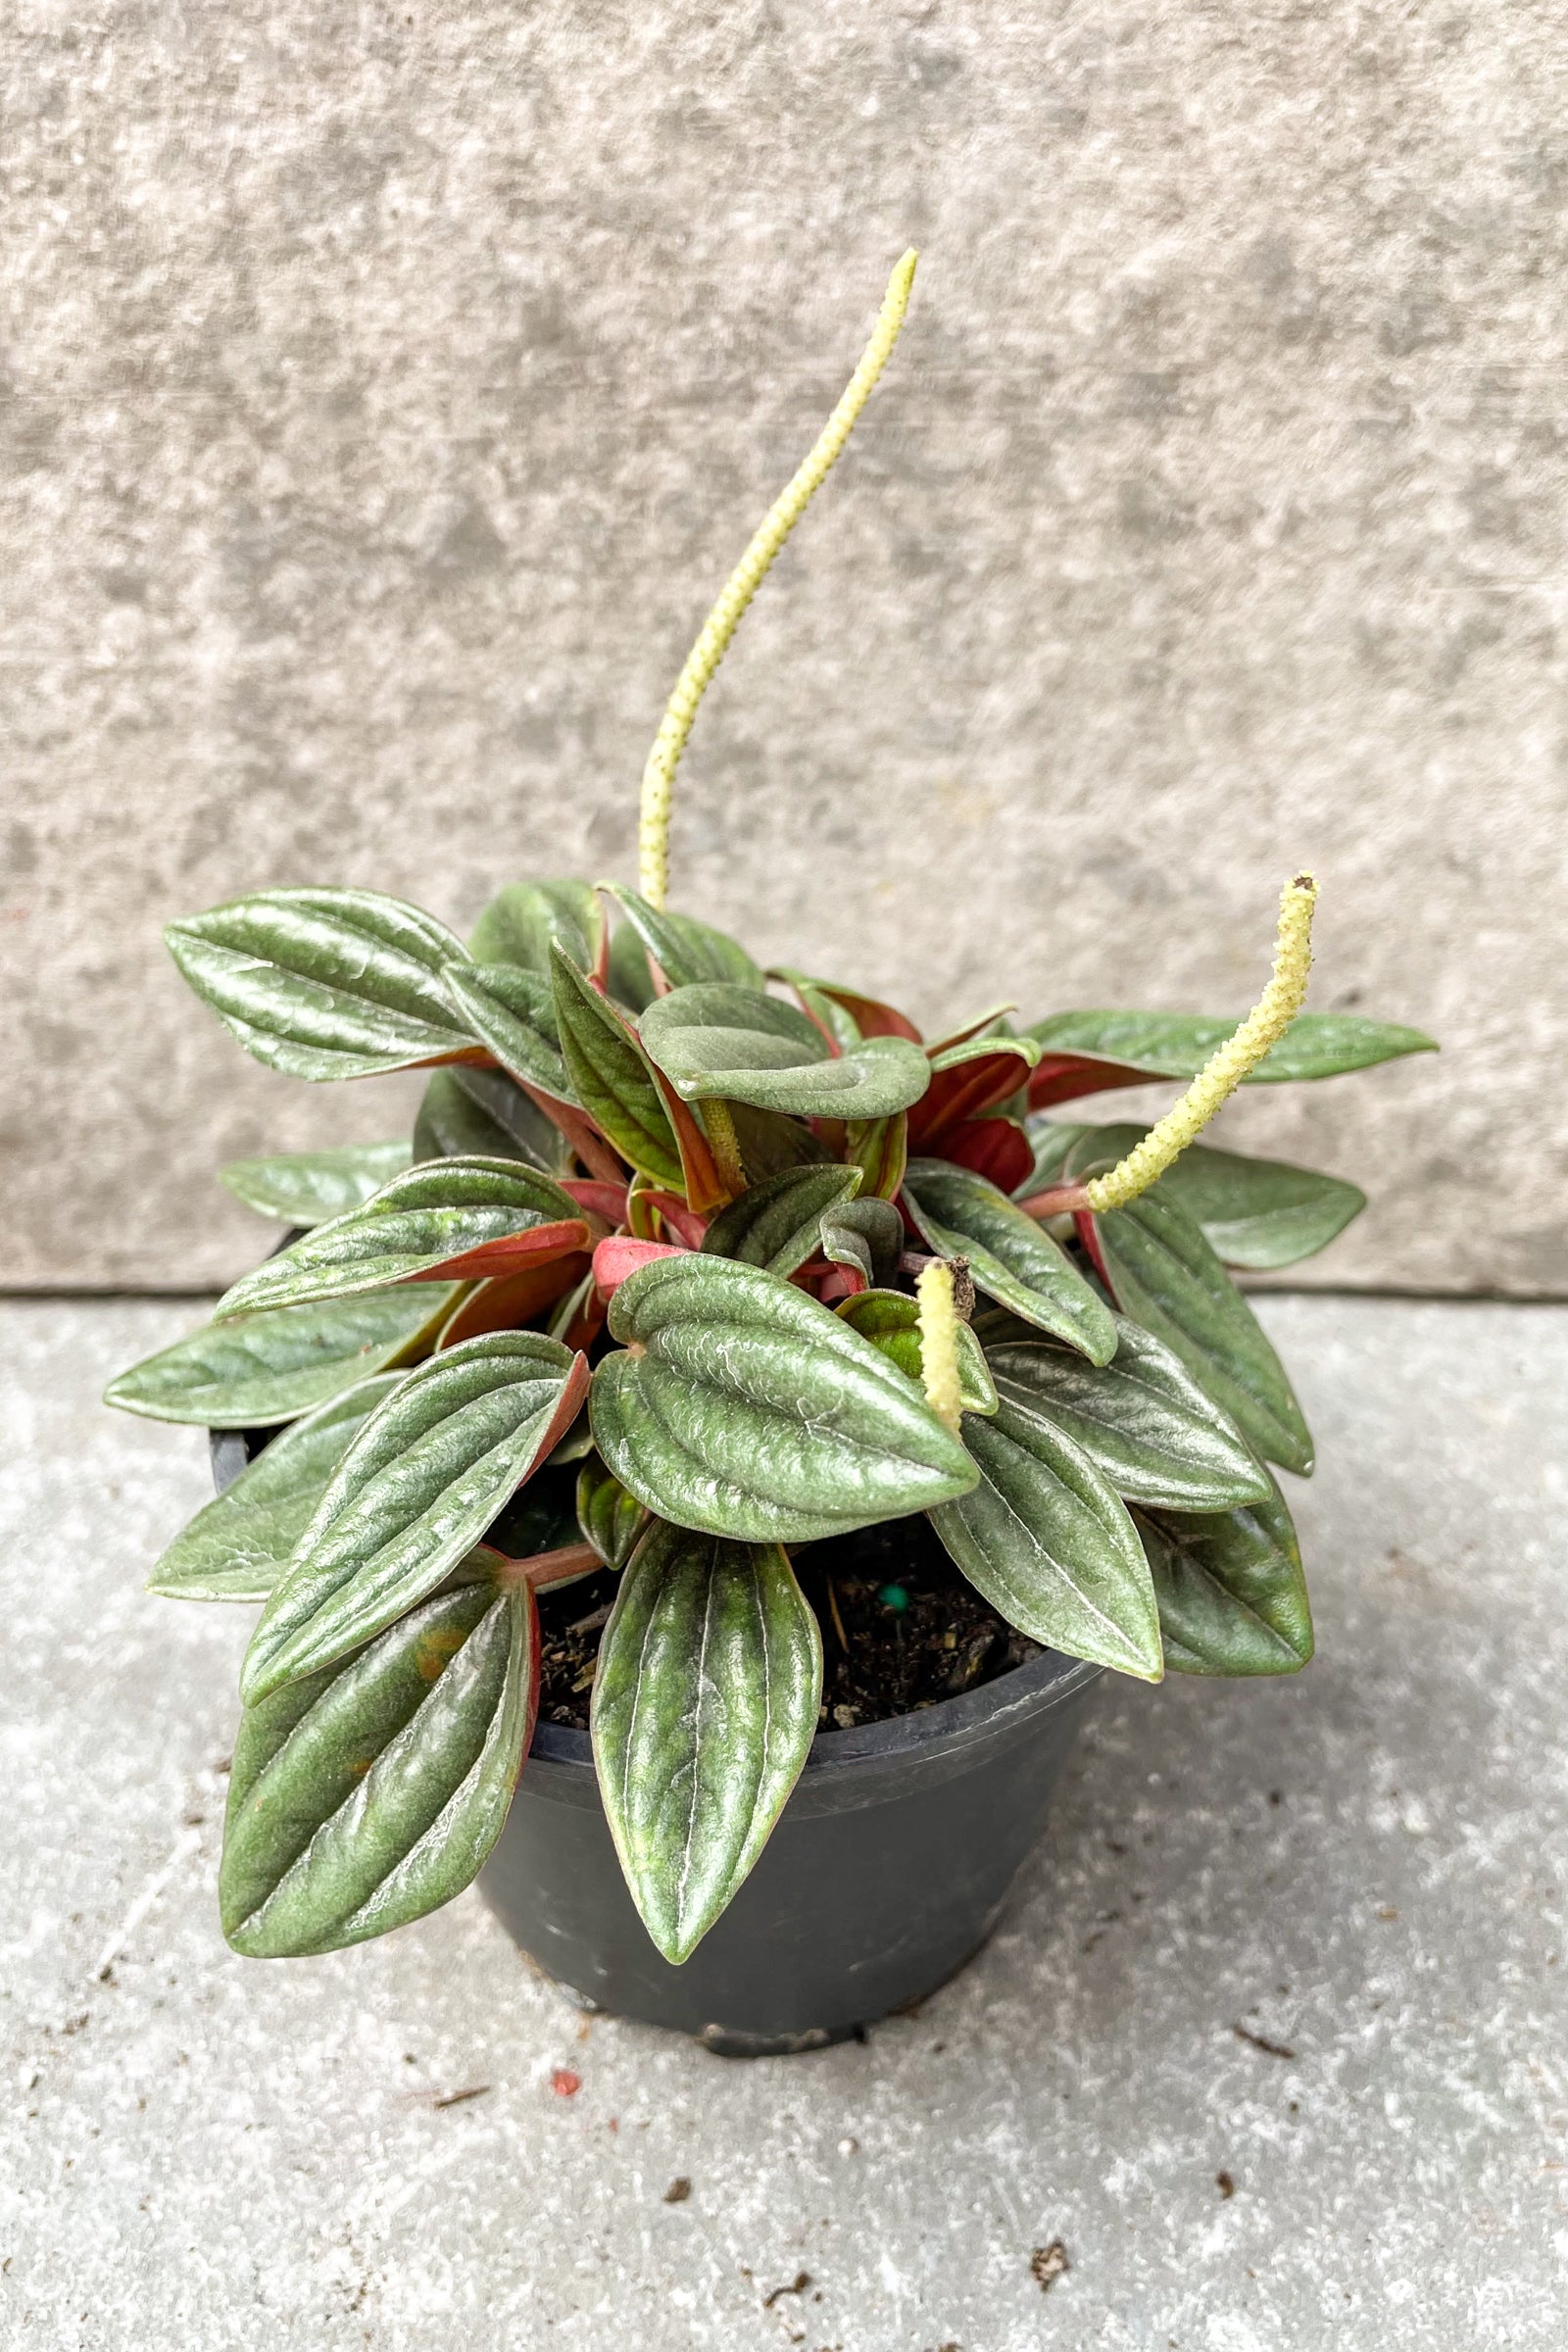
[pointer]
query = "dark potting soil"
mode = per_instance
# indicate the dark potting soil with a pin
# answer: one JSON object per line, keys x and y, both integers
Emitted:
{"x": 902, "y": 1629}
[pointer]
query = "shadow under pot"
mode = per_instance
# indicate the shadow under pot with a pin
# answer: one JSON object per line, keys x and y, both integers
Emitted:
{"x": 887, "y": 1870}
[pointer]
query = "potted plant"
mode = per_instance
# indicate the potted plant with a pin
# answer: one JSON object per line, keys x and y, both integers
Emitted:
{"x": 714, "y": 1322}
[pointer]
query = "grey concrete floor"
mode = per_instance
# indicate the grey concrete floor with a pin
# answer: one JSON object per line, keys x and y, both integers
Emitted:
{"x": 1362, "y": 1868}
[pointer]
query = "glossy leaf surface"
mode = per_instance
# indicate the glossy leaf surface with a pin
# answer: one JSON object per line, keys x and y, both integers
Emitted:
{"x": 1253, "y": 1213}
{"x": 1142, "y": 1420}
{"x": 685, "y": 950}
{"x": 261, "y": 1369}
{"x": 780, "y": 1224}
{"x": 472, "y": 1216}
{"x": 866, "y": 1234}
{"x": 611, "y": 1519}
{"x": 1010, "y": 1257}
{"x": 995, "y": 1148}
{"x": 473, "y": 1113}
{"x": 237, "y": 1546}
{"x": 704, "y": 1709}
{"x": 369, "y": 1793}
{"x": 880, "y": 1149}
{"x": 306, "y": 1188}
{"x": 415, "y": 1490}
{"x": 736, "y": 1043}
{"x": 1168, "y": 1277}
{"x": 1231, "y": 1593}
{"x": 968, "y": 1078}
{"x": 1176, "y": 1045}
{"x": 512, "y": 1012}
{"x": 1044, "y": 1536}
{"x": 751, "y": 1411}
{"x": 891, "y": 1321}
{"x": 521, "y": 921}
{"x": 325, "y": 983}
{"x": 611, "y": 1077}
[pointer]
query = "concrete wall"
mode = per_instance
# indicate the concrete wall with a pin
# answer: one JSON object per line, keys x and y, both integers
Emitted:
{"x": 385, "y": 390}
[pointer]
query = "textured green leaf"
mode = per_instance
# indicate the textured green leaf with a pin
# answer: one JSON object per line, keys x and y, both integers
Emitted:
{"x": 1176, "y": 1045}
{"x": 611, "y": 1077}
{"x": 891, "y": 1321}
{"x": 415, "y": 1490}
{"x": 325, "y": 983}
{"x": 521, "y": 921}
{"x": 1253, "y": 1213}
{"x": 770, "y": 1142}
{"x": 780, "y": 1224}
{"x": 238, "y": 1545}
{"x": 717, "y": 1039}
{"x": 432, "y": 1216}
{"x": 306, "y": 1188}
{"x": 370, "y": 1793}
{"x": 866, "y": 1234}
{"x": 1011, "y": 1258}
{"x": 1231, "y": 1593}
{"x": 1166, "y": 1277}
{"x": 685, "y": 950}
{"x": 751, "y": 1411}
{"x": 629, "y": 980}
{"x": 1142, "y": 1420}
{"x": 1045, "y": 1539}
{"x": 704, "y": 1709}
{"x": 611, "y": 1519}
{"x": 483, "y": 1114}
{"x": 512, "y": 1012}
{"x": 253, "y": 1372}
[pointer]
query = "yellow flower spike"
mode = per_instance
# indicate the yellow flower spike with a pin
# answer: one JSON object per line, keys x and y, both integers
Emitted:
{"x": 939, "y": 1341}
{"x": 1230, "y": 1062}
{"x": 659, "y": 776}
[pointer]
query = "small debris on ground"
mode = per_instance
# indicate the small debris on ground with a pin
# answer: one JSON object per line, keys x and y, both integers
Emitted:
{"x": 1260, "y": 2041}
{"x": 565, "y": 2084}
{"x": 849, "y": 2147}
{"x": 796, "y": 2286}
{"x": 1225, "y": 2185}
{"x": 454, "y": 2098}
{"x": 678, "y": 2192}
{"x": 1046, "y": 2265}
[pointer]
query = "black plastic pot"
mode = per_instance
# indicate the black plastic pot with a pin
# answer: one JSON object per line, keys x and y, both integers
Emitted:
{"x": 887, "y": 1870}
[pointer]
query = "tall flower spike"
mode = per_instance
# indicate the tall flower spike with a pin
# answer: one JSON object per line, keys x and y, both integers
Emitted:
{"x": 1229, "y": 1064}
{"x": 659, "y": 776}
{"x": 939, "y": 1341}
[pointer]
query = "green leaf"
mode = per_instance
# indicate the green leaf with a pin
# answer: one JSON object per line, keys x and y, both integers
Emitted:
{"x": 1176, "y": 1045}
{"x": 1253, "y": 1213}
{"x": 304, "y": 1188}
{"x": 609, "y": 1519}
{"x": 704, "y": 1709}
{"x": 880, "y": 1149}
{"x": 482, "y": 1114}
{"x": 717, "y": 1039}
{"x": 370, "y": 1793}
{"x": 629, "y": 980}
{"x": 1231, "y": 1593}
{"x": 866, "y": 1234}
{"x": 443, "y": 1213}
{"x": 325, "y": 983}
{"x": 891, "y": 1321}
{"x": 521, "y": 921}
{"x": 415, "y": 1490}
{"x": 770, "y": 1142}
{"x": 1142, "y": 1420}
{"x": 1166, "y": 1277}
{"x": 611, "y": 1077}
{"x": 828, "y": 1013}
{"x": 751, "y": 1411}
{"x": 238, "y": 1545}
{"x": 1045, "y": 1539}
{"x": 541, "y": 1516}
{"x": 1053, "y": 1141}
{"x": 512, "y": 1012}
{"x": 1014, "y": 1262}
{"x": 685, "y": 950}
{"x": 780, "y": 1224}
{"x": 250, "y": 1373}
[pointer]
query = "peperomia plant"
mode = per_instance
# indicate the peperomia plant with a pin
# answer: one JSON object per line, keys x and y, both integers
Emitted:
{"x": 687, "y": 1263}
